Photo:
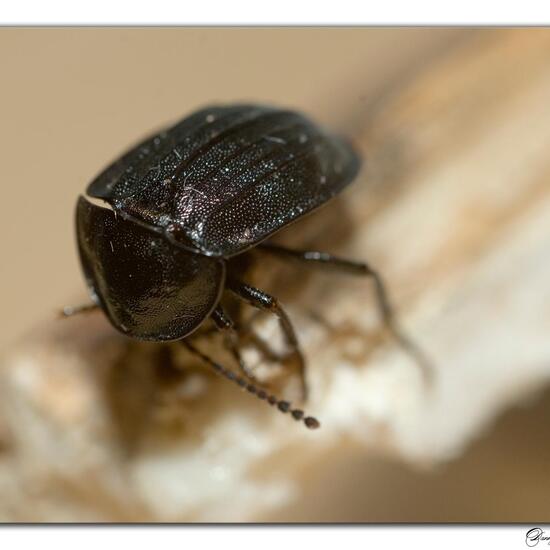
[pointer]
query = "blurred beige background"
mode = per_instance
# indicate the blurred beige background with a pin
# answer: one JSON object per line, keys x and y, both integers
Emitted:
{"x": 72, "y": 99}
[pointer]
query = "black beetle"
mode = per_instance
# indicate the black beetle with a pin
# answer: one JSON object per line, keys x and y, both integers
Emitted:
{"x": 186, "y": 201}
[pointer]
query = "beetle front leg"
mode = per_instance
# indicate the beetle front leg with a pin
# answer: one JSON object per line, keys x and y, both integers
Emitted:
{"x": 323, "y": 259}
{"x": 225, "y": 323}
{"x": 261, "y": 300}
{"x": 69, "y": 311}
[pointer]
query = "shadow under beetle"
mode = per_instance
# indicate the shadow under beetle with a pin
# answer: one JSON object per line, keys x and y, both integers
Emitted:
{"x": 185, "y": 201}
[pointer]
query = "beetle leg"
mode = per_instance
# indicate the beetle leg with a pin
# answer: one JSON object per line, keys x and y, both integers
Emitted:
{"x": 284, "y": 406}
{"x": 225, "y": 323}
{"x": 261, "y": 300}
{"x": 323, "y": 259}
{"x": 69, "y": 311}
{"x": 248, "y": 335}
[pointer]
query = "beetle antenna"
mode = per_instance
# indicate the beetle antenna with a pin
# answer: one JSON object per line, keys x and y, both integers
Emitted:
{"x": 284, "y": 406}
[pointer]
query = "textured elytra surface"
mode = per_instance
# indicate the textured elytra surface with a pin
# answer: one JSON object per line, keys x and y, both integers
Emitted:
{"x": 225, "y": 178}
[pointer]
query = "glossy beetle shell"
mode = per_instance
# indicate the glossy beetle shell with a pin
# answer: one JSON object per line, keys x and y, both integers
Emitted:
{"x": 212, "y": 186}
{"x": 225, "y": 178}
